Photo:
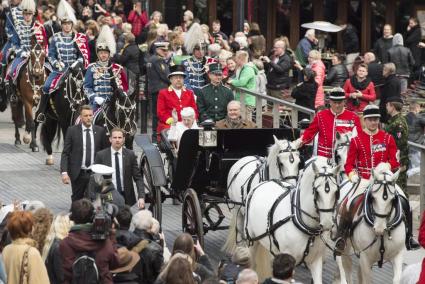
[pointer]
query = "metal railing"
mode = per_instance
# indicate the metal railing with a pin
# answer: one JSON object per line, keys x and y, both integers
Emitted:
{"x": 275, "y": 112}
{"x": 294, "y": 118}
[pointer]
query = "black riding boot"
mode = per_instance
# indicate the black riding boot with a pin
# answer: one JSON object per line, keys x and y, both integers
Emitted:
{"x": 2, "y": 76}
{"x": 411, "y": 243}
{"x": 40, "y": 116}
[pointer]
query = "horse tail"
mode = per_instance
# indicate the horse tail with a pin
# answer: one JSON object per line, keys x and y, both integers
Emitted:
{"x": 262, "y": 261}
{"x": 230, "y": 244}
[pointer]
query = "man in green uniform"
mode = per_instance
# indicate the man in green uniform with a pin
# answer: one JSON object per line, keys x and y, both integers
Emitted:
{"x": 213, "y": 98}
{"x": 397, "y": 127}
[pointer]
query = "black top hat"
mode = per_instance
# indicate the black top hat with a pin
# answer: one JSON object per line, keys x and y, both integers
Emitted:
{"x": 371, "y": 111}
{"x": 215, "y": 68}
{"x": 337, "y": 94}
{"x": 177, "y": 70}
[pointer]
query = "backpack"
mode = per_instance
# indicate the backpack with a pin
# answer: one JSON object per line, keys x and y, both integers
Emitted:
{"x": 84, "y": 269}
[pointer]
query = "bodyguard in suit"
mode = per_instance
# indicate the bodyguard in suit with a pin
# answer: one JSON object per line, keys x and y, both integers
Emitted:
{"x": 124, "y": 161}
{"x": 81, "y": 144}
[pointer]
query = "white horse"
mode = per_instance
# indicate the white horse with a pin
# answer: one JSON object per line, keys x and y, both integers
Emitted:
{"x": 282, "y": 163}
{"x": 342, "y": 143}
{"x": 281, "y": 220}
{"x": 380, "y": 234}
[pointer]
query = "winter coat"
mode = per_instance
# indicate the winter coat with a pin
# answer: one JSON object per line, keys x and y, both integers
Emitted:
{"x": 402, "y": 58}
{"x": 79, "y": 240}
{"x": 12, "y": 257}
{"x": 54, "y": 263}
{"x": 126, "y": 238}
{"x": 129, "y": 58}
{"x": 303, "y": 49}
{"x": 337, "y": 75}
{"x": 246, "y": 79}
{"x": 319, "y": 68}
{"x": 137, "y": 21}
{"x": 151, "y": 257}
{"x": 204, "y": 267}
{"x": 368, "y": 96}
{"x": 411, "y": 41}
{"x": 375, "y": 73}
{"x": 391, "y": 88}
{"x": 350, "y": 40}
{"x": 416, "y": 123}
{"x": 278, "y": 73}
{"x": 304, "y": 94}
{"x": 381, "y": 48}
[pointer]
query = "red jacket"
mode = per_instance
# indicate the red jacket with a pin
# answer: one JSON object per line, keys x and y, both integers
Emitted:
{"x": 167, "y": 100}
{"x": 79, "y": 241}
{"x": 359, "y": 155}
{"x": 327, "y": 124}
{"x": 368, "y": 96}
{"x": 137, "y": 21}
{"x": 421, "y": 239}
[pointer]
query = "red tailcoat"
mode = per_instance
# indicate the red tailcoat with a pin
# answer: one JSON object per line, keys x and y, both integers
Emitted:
{"x": 167, "y": 100}
{"x": 367, "y": 151}
{"x": 326, "y": 123}
{"x": 421, "y": 239}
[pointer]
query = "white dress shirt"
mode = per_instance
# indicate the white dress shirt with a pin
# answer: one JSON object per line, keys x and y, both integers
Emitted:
{"x": 83, "y": 162}
{"x": 178, "y": 92}
{"x": 114, "y": 178}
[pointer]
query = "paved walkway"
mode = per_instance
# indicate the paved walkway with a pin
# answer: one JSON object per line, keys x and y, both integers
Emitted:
{"x": 24, "y": 176}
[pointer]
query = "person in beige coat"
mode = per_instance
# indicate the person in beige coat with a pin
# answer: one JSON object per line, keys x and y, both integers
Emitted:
{"x": 22, "y": 260}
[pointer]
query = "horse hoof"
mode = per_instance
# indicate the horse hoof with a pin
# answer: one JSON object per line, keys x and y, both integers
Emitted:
{"x": 17, "y": 142}
{"x": 50, "y": 162}
{"x": 27, "y": 140}
{"x": 35, "y": 149}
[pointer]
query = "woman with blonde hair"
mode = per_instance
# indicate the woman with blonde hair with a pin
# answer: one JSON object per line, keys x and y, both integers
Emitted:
{"x": 43, "y": 218}
{"x": 50, "y": 253}
{"x": 178, "y": 271}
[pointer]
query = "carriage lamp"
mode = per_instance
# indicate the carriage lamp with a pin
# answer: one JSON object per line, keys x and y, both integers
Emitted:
{"x": 207, "y": 135}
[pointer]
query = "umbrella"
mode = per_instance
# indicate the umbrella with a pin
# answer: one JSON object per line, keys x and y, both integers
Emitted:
{"x": 323, "y": 26}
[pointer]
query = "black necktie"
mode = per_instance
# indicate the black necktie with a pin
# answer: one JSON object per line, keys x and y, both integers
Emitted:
{"x": 117, "y": 172}
{"x": 88, "y": 148}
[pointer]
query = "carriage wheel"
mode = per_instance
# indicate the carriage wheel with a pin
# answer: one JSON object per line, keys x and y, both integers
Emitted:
{"x": 192, "y": 215}
{"x": 153, "y": 193}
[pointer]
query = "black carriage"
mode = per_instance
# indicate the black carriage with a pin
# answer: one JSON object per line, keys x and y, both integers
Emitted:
{"x": 197, "y": 174}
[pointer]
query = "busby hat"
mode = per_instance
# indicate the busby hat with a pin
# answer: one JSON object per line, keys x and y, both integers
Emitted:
{"x": 177, "y": 70}
{"x": 371, "y": 111}
{"x": 215, "y": 68}
{"x": 65, "y": 13}
{"x": 337, "y": 94}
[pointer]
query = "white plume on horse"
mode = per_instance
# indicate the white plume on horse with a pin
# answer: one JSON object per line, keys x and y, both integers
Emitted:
{"x": 28, "y": 5}
{"x": 65, "y": 10}
{"x": 194, "y": 36}
{"x": 107, "y": 36}
{"x": 282, "y": 163}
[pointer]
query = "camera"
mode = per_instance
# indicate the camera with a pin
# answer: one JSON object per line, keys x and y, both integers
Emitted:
{"x": 105, "y": 211}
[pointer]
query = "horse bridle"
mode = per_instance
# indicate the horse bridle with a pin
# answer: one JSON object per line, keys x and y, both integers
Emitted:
{"x": 386, "y": 184}
{"x": 289, "y": 150}
{"x": 329, "y": 177}
{"x": 37, "y": 51}
{"x": 128, "y": 111}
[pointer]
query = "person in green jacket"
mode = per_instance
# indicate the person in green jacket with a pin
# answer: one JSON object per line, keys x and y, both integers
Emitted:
{"x": 245, "y": 78}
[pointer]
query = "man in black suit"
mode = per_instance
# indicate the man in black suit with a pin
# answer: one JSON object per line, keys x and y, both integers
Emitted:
{"x": 124, "y": 161}
{"x": 81, "y": 144}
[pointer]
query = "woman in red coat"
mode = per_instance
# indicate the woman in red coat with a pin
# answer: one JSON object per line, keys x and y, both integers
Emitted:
{"x": 359, "y": 90}
{"x": 174, "y": 97}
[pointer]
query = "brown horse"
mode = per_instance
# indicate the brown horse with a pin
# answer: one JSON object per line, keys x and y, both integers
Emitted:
{"x": 30, "y": 81}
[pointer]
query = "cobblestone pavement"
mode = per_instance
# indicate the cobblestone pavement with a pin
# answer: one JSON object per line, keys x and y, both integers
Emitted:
{"x": 24, "y": 176}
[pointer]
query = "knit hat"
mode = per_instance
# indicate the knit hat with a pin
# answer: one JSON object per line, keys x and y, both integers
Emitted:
{"x": 242, "y": 256}
{"x": 398, "y": 39}
{"x": 371, "y": 111}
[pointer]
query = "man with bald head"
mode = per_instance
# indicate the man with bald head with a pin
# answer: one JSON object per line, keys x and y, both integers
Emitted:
{"x": 374, "y": 69}
{"x": 277, "y": 69}
{"x": 383, "y": 44}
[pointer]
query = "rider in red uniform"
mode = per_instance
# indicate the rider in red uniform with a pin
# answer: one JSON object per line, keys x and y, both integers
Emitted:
{"x": 174, "y": 97}
{"x": 329, "y": 121}
{"x": 369, "y": 148}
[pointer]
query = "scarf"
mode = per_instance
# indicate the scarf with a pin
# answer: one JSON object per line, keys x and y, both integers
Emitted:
{"x": 234, "y": 123}
{"x": 359, "y": 85}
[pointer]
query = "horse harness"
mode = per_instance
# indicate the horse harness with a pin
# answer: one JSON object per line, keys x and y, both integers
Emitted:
{"x": 127, "y": 108}
{"x": 37, "y": 51}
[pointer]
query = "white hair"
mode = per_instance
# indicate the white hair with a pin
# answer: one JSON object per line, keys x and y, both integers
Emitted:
{"x": 243, "y": 42}
{"x": 310, "y": 32}
{"x": 247, "y": 276}
{"x": 142, "y": 220}
{"x": 187, "y": 112}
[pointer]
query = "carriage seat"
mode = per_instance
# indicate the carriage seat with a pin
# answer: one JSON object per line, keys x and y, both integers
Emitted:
{"x": 166, "y": 145}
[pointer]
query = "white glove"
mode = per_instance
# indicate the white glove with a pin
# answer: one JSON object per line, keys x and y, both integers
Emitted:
{"x": 99, "y": 100}
{"x": 297, "y": 143}
{"x": 60, "y": 65}
{"x": 354, "y": 178}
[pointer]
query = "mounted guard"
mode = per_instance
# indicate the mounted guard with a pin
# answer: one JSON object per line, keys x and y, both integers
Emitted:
{"x": 68, "y": 52}
{"x": 369, "y": 148}
{"x": 103, "y": 78}
{"x": 21, "y": 37}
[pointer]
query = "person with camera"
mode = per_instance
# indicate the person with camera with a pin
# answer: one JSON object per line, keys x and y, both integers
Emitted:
{"x": 359, "y": 90}
{"x": 124, "y": 161}
{"x": 68, "y": 52}
{"x": 277, "y": 70}
{"x": 86, "y": 259}
{"x": 216, "y": 32}
{"x": 138, "y": 19}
